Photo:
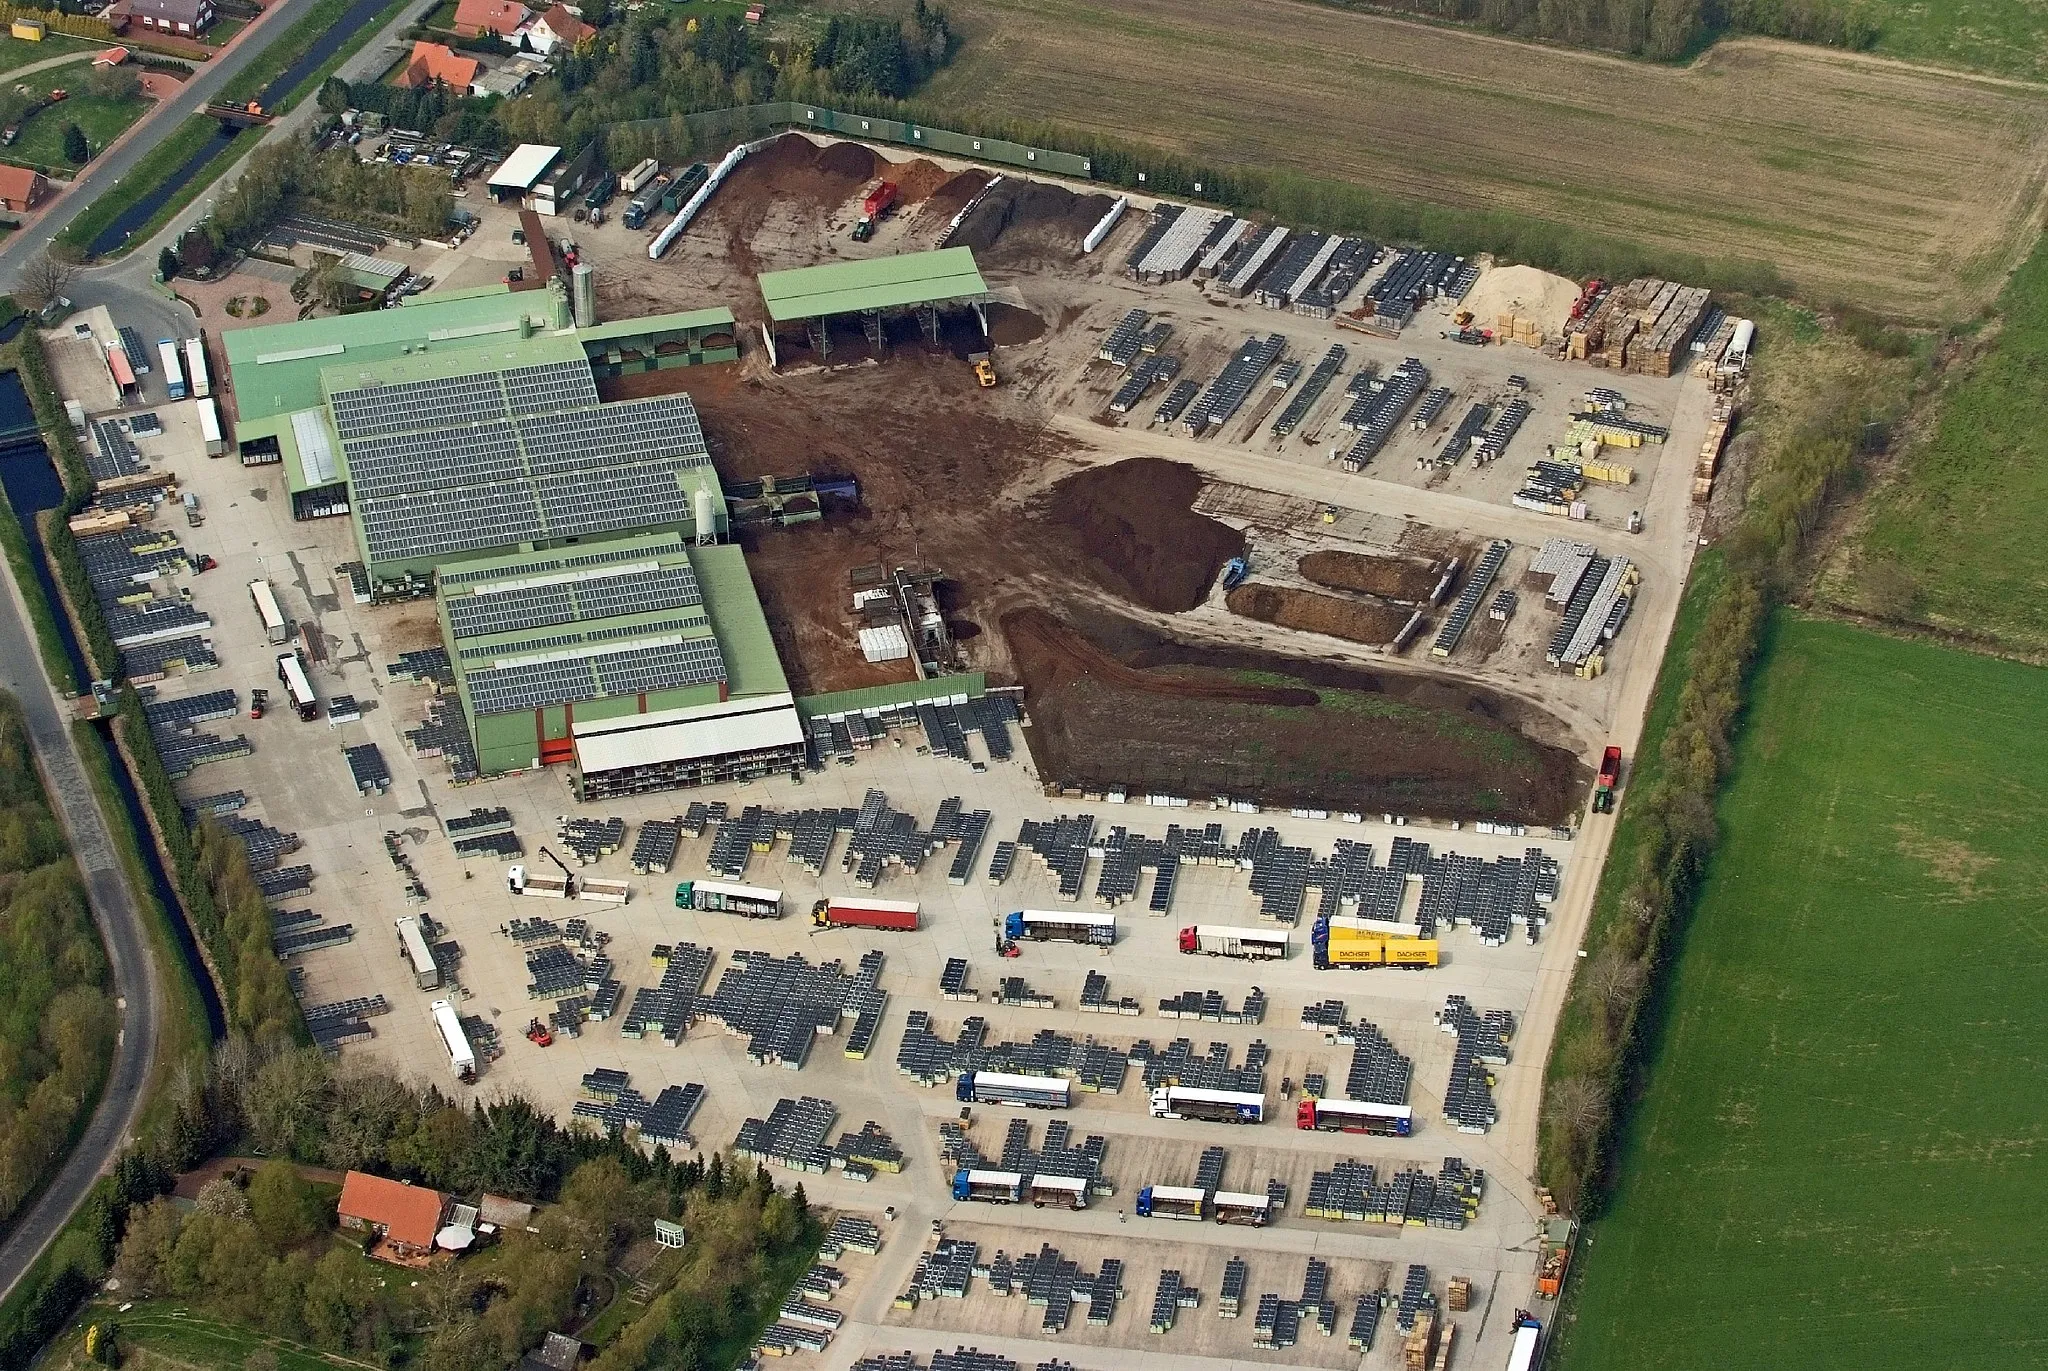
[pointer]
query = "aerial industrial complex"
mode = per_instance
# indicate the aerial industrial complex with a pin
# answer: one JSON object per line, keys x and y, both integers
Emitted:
{"x": 861, "y": 634}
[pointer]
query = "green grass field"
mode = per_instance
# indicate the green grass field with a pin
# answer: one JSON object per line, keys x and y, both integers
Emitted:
{"x": 16, "y": 53}
{"x": 1983, "y": 35}
{"x": 1953, "y": 539}
{"x": 42, "y": 138}
{"x": 1836, "y": 1161}
{"x": 172, "y": 1332}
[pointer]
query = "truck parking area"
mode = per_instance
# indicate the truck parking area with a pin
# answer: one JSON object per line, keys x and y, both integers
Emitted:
{"x": 1265, "y": 783}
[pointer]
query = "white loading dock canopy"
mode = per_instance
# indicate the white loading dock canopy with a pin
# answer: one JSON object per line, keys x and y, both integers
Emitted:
{"x": 677, "y": 735}
{"x": 527, "y": 164}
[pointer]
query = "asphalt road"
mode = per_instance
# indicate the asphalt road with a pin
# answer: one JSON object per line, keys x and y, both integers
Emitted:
{"x": 116, "y": 163}
{"x": 136, "y": 975}
{"x": 125, "y": 288}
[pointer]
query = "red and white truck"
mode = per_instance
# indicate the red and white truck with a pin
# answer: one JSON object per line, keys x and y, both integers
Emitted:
{"x": 893, "y": 916}
{"x": 1216, "y": 940}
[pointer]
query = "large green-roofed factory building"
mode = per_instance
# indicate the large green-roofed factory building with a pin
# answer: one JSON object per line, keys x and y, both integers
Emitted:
{"x": 593, "y": 614}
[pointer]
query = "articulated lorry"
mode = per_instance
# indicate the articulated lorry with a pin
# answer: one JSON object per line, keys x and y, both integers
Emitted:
{"x": 1213, "y": 1106}
{"x": 891, "y": 916}
{"x": 1172, "y": 1202}
{"x": 1355, "y": 1116}
{"x": 990, "y": 1187}
{"x": 1214, "y": 940}
{"x": 1342, "y": 942}
{"x": 1071, "y": 926}
{"x": 998, "y": 1087}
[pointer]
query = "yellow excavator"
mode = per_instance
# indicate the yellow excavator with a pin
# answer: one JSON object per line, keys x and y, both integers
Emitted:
{"x": 984, "y": 368}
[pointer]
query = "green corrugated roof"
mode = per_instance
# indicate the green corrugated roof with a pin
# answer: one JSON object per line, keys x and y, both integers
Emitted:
{"x": 496, "y": 353}
{"x": 751, "y": 664}
{"x": 914, "y": 278}
{"x": 276, "y": 367}
{"x": 864, "y": 698}
{"x": 655, "y": 323}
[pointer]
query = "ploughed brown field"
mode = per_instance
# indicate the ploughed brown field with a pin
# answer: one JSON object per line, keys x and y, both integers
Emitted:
{"x": 1861, "y": 180}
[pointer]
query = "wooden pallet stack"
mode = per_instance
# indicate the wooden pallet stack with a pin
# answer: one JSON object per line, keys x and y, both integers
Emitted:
{"x": 1518, "y": 328}
{"x": 1718, "y": 423}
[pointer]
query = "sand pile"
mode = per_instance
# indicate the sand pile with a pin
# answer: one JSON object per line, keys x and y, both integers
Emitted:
{"x": 1525, "y": 291}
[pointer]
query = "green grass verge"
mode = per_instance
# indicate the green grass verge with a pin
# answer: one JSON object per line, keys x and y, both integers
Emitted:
{"x": 155, "y": 166}
{"x": 1953, "y": 540}
{"x": 179, "y": 1333}
{"x": 297, "y": 41}
{"x": 42, "y": 138}
{"x": 41, "y": 613}
{"x": 184, "y": 1036}
{"x": 1834, "y": 1163}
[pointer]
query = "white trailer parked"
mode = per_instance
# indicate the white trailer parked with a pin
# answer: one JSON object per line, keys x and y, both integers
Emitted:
{"x": 413, "y": 944}
{"x": 460, "y": 1058}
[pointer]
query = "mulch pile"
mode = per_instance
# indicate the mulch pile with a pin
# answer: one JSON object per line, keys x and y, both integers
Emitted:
{"x": 1397, "y": 578}
{"x": 1360, "y": 621}
{"x": 1010, "y": 326}
{"x": 1045, "y": 216}
{"x": 1135, "y": 531}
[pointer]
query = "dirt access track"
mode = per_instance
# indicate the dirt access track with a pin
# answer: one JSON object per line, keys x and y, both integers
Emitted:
{"x": 1909, "y": 190}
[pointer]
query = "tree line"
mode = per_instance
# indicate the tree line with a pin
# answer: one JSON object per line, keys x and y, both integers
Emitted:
{"x": 649, "y": 70}
{"x": 290, "y": 172}
{"x": 1667, "y": 828}
{"x": 1659, "y": 29}
{"x": 57, "y": 1018}
{"x": 268, "y": 1259}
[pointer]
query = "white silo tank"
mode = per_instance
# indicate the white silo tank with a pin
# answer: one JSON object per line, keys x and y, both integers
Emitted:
{"x": 707, "y": 526}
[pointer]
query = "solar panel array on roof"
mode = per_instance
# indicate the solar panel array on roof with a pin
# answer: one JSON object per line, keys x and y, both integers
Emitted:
{"x": 600, "y": 597}
{"x": 453, "y": 465}
{"x": 582, "y": 503}
{"x": 549, "y": 386}
{"x": 665, "y": 426}
{"x": 438, "y": 522}
{"x": 436, "y": 459}
{"x": 473, "y": 616}
{"x": 674, "y": 667}
{"x": 411, "y": 405}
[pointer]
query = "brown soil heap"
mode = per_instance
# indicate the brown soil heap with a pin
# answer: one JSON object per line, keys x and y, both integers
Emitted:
{"x": 1011, "y": 326}
{"x": 1032, "y": 219}
{"x": 1164, "y": 716}
{"x": 1359, "y": 621}
{"x": 1137, "y": 534}
{"x": 1397, "y": 578}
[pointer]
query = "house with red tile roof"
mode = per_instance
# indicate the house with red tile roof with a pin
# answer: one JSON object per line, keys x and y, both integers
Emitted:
{"x": 405, "y": 1216}
{"x": 558, "y": 28}
{"x": 503, "y": 17}
{"x": 21, "y": 189}
{"x": 433, "y": 62}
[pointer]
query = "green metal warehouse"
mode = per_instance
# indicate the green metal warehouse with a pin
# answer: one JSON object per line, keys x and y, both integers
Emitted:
{"x": 643, "y": 661}
{"x": 572, "y": 545}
